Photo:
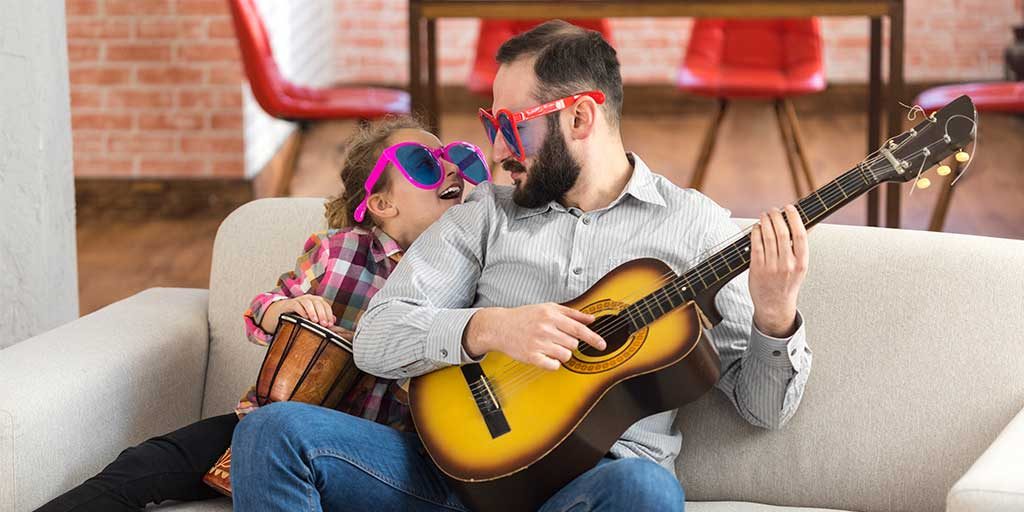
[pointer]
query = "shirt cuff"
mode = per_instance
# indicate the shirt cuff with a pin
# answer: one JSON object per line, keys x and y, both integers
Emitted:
{"x": 784, "y": 352}
{"x": 258, "y": 313}
{"x": 444, "y": 341}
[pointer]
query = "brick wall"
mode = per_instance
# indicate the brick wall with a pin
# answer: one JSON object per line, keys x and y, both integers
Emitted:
{"x": 946, "y": 40}
{"x": 155, "y": 88}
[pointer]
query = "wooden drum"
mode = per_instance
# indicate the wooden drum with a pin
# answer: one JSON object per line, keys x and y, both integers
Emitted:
{"x": 306, "y": 362}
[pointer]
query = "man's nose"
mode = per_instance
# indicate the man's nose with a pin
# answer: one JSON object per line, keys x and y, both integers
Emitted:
{"x": 500, "y": 150}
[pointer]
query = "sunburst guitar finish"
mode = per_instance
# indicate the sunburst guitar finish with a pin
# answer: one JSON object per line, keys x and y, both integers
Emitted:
{"x": 485, "y": 424}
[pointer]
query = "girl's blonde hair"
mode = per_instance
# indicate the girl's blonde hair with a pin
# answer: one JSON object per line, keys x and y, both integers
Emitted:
{"x": 363, "y": 149}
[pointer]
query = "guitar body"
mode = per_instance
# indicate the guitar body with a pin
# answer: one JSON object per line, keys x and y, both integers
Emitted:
{"x": 510, "y": 435}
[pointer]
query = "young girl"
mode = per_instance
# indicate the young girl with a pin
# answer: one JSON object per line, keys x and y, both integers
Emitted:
{"x": 411, "y": 181}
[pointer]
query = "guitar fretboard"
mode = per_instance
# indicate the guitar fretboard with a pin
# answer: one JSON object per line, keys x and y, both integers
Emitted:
{"x": 717, "y": 269}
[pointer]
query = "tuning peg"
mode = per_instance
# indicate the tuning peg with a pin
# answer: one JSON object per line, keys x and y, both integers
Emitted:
{"x": 962, "y": 156}
{"x": 924, "y": 183}
{"x": 943, "y": 170}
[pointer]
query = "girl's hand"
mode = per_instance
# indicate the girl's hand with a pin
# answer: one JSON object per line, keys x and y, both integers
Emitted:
{"x": 311, "y": 307}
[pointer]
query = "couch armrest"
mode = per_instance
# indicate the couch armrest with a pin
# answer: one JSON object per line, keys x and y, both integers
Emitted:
{"x": 72, "y": 398}
{"x": 996, "y": 480}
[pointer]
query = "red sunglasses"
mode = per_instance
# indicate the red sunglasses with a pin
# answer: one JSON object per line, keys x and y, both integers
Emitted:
{"x": 507, "y": 122}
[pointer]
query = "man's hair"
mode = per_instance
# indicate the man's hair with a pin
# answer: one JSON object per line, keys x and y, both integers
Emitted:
{"x": 570, "y": 60}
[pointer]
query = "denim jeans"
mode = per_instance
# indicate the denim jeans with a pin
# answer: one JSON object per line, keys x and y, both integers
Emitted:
{"x": 291, "y": 456}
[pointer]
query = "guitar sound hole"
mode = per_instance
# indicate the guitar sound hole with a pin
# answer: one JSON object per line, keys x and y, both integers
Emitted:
{"x": 613, "y": 329}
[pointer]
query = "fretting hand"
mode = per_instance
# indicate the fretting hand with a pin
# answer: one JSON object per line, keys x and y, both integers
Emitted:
{"x": 778, "y": 264}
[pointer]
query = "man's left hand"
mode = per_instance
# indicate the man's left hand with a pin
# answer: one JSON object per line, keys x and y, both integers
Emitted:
{"x": 778, "y": 264}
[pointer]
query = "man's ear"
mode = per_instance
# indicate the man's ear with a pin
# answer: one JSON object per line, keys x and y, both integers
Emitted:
{"x": 381, "y": 207}
{"x": 584, "y": 117}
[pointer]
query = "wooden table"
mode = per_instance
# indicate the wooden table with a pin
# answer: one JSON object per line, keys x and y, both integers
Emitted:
{"x": 423, "y": 16}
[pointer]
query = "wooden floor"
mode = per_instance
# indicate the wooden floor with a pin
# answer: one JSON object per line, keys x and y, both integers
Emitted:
{"x": 747, "y": 174}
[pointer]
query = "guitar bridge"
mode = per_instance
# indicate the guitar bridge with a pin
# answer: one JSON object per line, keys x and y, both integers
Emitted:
{"x": 486, "y": 401}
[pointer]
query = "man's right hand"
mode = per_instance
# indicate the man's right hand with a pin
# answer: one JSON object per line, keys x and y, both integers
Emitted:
{"x": 543, "y": 335}
{"x": 311, "y": 307}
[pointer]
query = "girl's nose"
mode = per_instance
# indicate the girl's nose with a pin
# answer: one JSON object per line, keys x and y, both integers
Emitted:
{"x": 449, "y": 168}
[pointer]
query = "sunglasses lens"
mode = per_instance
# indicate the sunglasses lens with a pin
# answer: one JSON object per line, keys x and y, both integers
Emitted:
{"x": 508, "y": 132}
{"x": 473, "y": 168}
{"x": 419, "y": 164}
{"x": 489, "y": 129}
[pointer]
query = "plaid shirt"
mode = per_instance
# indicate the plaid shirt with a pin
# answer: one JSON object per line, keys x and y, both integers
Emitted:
{"x": 346, "y": 267}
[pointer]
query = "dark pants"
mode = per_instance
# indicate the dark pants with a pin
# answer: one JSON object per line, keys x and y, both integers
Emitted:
{"x": 168, "y": 467}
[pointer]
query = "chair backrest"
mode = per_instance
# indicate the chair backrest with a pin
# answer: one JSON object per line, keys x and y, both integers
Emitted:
{"x": 777, "y": 44}
{"x": 268, "y": 85}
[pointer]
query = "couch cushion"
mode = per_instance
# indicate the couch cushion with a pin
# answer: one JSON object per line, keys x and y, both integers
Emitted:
{"x": 223, "y": 504}
{"x": 743, "y": 506}
{"x": 917, "y": 367}
{"x": 256, "y": 244}
{"x": 214, "y": 505}
{"x": 915, "y": 335}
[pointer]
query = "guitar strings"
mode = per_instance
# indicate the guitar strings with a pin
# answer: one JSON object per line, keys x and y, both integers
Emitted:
{"x": 516, "y": 381}
{"x": 911, "y": 116}
{"x": 507, "y": 386}
{"x": 832, "y": 195}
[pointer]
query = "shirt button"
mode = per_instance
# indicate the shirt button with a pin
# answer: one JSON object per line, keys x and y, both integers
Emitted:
{"x": 586, "y": 220}
{"x": 577, "y": 271}
{"x": 776, "y": 353}
{"x": 444, "y": 352}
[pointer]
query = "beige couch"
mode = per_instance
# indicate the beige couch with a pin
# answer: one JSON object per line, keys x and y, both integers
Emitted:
{"x": 914, "y": 403}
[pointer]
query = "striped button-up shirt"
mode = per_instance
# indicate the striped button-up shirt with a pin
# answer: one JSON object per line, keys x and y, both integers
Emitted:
{"x": 347, "y": 267}
{"x": 491, "y": 252}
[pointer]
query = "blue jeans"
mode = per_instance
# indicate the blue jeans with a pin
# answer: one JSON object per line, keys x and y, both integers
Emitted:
{"x": 291, "y": 456}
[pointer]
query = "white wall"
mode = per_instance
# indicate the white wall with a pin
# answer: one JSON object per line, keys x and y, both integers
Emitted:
{"x": 302, "y": 36}
{"x": 38, "y": 274}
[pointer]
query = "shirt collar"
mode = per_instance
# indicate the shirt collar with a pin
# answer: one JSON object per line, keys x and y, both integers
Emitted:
{"x": 383, "y": 246}
{"x": 641, "y": 185}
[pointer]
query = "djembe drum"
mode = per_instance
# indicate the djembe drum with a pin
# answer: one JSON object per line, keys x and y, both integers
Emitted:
{"x": 305, "y": 362}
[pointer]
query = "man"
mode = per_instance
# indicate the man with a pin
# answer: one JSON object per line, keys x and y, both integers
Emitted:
{"x": 487, "y": 276}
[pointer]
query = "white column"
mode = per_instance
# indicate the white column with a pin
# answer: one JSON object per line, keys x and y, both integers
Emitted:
{"x": 38, "y": 270}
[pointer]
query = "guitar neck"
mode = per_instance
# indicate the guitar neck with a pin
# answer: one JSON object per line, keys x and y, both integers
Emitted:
{"x": 708, "y": 276}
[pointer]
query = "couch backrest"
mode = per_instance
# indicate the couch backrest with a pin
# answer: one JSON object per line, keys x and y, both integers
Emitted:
{"x": 255, "y": 245}
{"x": 917, "y": 363}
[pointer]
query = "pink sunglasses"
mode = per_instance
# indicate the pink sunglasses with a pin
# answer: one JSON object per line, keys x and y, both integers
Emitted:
{"x": 421, "y": 165}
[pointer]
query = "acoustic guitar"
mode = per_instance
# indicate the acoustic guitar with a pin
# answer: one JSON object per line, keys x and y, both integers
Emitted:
{"x": 509, "y": 435}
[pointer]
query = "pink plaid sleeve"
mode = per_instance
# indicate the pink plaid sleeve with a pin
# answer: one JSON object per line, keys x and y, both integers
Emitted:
{"x": 309, "y": 270}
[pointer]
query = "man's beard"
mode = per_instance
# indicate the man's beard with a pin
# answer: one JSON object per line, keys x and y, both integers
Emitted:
{"x": 552, "y": 175}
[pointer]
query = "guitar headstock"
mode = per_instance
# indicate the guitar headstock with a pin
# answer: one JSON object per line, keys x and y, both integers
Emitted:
{"x": 943, "y": 133}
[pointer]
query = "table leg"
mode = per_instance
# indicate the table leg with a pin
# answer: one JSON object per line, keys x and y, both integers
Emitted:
{"x": 415, "y": 59}
{"x": 894, "y": 190}
{"x": 432, "y": 102}
{"x": 874, "y": 108}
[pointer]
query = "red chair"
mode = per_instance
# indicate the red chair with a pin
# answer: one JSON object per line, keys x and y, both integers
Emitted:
{"x": 769, "y": 59}
{"x": 302, "y": 105}
{"x": 495, "y": 32}
{"x": 1006, "y": 97}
